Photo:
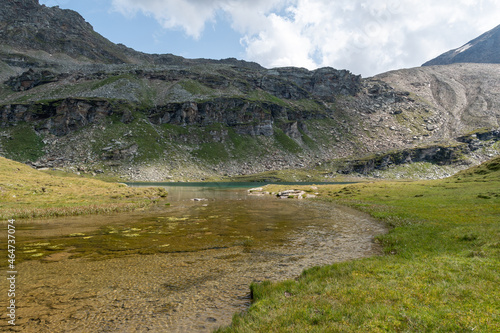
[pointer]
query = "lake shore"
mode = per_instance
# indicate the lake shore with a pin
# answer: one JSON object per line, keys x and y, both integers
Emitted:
{"x": 439, "y": 271}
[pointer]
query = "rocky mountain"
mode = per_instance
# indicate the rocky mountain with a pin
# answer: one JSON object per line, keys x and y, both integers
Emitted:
{"x": 27, "y": 26}
{"x": 483, "y": 49}
{"x": 32, "y": 34}
{"x": 70, "y": 99}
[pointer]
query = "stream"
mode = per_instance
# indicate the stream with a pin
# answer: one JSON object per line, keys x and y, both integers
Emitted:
{"x": 180, "y": 266}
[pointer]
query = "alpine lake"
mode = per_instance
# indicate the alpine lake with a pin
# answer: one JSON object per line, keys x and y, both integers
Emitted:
{"x": 183, "y": 265}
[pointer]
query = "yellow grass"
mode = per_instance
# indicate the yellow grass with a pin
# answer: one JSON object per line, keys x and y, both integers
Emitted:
{"x": 28, "y": 193}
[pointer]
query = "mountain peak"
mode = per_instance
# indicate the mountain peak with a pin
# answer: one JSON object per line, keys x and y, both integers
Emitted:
{"x": 27, "y": 25}
{"x": 483, "y": 49}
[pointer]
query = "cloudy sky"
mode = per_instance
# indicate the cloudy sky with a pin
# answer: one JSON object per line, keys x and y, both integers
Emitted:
{"x": 365, "y": 37}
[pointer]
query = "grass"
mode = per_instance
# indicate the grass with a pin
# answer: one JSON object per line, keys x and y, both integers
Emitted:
{"x": 22, "y": 143}
{"x": 142, "y": 133}
{"x": 439, "y": 271}
{"x": 28, "y": 193}
{"x": 285, "y": 141}
{"x": 196, "y": 88}
{"x": 212, "y": 152}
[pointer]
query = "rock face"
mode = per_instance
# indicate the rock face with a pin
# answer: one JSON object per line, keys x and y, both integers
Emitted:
{"x": 484, "y": 49}
{"x": 57, "y": 117}
{"x": 31, "y": 79}
{"x": 246, "y": 116}
{"x": 436, "y": 154}
{"x": 323, "y": 83}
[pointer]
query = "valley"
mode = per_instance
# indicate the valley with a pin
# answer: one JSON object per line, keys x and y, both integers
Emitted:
{"x": 377, "y": 205}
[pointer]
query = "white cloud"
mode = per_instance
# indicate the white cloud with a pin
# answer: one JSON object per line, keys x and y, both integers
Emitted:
{"x": 366, "y": 37}
{"x": 190, "y": 15}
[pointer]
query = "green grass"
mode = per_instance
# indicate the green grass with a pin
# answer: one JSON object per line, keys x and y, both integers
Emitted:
{"x": 142, "y": 133}
{"x": 439, "y": 271}
{"x": 112, "y": 79}
{"x": 22, "y": 143}
{"x": 196, "y": 88}
{"x": 285, "y": 141}
{"x": 28, "y": 193}
{"x": 261, "y": 96}
{"x": 244, "y": 147}
{"x": 212, "y": 152}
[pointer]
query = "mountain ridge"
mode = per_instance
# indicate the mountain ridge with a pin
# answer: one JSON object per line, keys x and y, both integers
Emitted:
{"x": 483, "y": 49}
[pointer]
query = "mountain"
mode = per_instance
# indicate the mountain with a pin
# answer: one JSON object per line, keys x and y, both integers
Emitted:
{"x": 61, "y": 36}
{"x": 483, "y": 49}
{"x": 70, "y": 99}
{"x": 25, "y": 25}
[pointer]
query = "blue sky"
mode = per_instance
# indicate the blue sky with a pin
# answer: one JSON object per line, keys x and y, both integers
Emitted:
{"x": 145, "y": 34}
{"x": 365, "y": 37}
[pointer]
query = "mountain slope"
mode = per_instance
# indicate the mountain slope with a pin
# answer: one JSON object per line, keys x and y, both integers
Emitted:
{"x": 25, "y": 25}
{"x": 483, "y": 49}
{"x": 466, "y": 95}
{"x": 158, "y": 117}
{"x": 33, "y": 35}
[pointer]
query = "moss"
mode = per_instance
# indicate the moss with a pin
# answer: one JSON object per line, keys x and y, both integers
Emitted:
{"x": 22, "y": 143}
{"x": 244, "y": 147}
{"x": 196, "y": 88}
{"x": 263, "y": 96}
{"x": 285, "y": 141}
{"x": 213, "y": 152}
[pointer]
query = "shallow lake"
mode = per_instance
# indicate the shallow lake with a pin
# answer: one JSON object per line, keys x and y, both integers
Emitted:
{"x": 181, "y": 267}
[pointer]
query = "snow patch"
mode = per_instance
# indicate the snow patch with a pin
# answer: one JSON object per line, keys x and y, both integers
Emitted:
{"x": 463, "y": 48}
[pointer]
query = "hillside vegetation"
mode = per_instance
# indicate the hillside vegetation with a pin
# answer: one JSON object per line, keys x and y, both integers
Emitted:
{"x": 439, "y": 271}
{"x": 28, "y": 193}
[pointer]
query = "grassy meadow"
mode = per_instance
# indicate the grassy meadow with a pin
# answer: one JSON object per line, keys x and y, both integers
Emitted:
{"x": 28, "y": 193}
{"x": 440, "y": 271}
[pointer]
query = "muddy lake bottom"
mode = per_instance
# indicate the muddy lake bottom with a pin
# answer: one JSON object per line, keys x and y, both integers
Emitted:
{"x": 182, "y": 267}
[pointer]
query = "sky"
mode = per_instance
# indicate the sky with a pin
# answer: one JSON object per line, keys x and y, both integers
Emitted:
{"x": 366, "y": 37}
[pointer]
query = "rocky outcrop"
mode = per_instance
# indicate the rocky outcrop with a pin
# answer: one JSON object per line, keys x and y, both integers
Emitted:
{"x": 58, "y": 117}
{"x": 31, "y": 79}
{"x": 247, "y": 117}
{"x": 323, "y": 83}
{"x": 435, "y": 154}
{"x": 224, "y": 116}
